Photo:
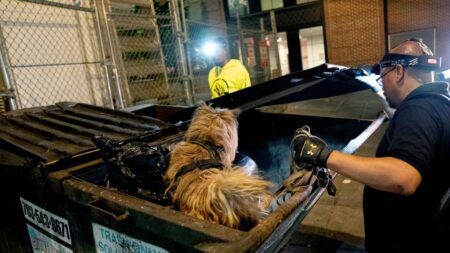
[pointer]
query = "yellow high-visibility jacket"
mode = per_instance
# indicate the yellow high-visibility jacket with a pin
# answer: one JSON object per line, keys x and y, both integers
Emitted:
{"x": 230, "y": 78}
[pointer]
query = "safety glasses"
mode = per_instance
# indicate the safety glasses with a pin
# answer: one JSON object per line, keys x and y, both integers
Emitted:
{"x": 379, "y": 79}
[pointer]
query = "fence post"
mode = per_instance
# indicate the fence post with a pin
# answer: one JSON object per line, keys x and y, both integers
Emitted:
{"x": 102, "y": 44}
{"x": 7, "y": 77}
{"x": 273, "y": 22}
{"x": 101, "y": 26}
{"x": 241, "y": 40}
{"x": 187, "y": 46}
{"x": 263, "y": 38}
{"x": 182, "y": 63}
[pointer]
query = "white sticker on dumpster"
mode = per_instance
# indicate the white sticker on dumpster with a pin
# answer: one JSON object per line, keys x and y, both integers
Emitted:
{"x": 44, "y": 244}
{"x": 111, "y": 241}
{"x": 48, "y": 221}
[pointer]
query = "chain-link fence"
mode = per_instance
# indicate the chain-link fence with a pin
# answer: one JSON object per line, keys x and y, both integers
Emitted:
{"x": 250, "y": 41}
{"x": 147, "y": 41}
{"x": 176, "y": 63}
{"x": 119, "y": 53}
{"x": 50, "y": 52}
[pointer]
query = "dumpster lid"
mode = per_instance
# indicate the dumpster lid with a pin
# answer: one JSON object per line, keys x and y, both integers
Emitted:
{"x": 66, "y": 129}
{"x": 317, "y": 82}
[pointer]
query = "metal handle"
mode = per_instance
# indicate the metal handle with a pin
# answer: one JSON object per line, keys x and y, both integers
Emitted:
{"x": 101, "y": 209}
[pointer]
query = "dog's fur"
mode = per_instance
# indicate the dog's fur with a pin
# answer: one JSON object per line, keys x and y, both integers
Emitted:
{"x": 228, "y": 196}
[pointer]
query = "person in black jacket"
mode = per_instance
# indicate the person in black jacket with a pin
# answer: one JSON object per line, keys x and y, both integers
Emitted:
{"x": 408, "y": 178}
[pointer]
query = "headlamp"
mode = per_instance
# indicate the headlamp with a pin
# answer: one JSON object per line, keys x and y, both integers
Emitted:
{"x": 423, "y": 61}
{"x": 209, "y": 48}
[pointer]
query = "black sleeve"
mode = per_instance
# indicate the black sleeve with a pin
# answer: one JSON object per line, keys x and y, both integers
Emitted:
{"x": 415, "y": 138}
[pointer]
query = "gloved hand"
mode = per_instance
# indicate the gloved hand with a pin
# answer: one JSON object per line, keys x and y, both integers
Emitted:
{"x": 309, "y": 149}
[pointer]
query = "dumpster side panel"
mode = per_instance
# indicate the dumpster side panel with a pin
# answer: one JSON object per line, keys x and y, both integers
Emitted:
{"x": 31, "y": 210}
{"x": 93, "y": 206}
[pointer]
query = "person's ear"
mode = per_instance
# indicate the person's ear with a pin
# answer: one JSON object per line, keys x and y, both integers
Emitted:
{"x": 400, "y": 72}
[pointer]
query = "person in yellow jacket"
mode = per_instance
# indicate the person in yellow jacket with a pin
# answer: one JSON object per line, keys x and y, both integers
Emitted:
{"x": 227, "y": 75}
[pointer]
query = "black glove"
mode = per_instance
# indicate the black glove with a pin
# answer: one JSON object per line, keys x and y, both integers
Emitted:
{"x": 309, "y": 148}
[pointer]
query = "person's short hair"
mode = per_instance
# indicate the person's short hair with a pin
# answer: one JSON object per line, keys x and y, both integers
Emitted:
{"x": 425, "y": 49}
{"x": 421, "y": 74}
{"x": 418, "y": 63}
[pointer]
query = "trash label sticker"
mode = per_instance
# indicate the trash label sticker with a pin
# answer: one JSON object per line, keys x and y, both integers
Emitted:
{"x": 44, "y": 244}
{"x": 111, "y": 241}
{"x": 49, "y": 222}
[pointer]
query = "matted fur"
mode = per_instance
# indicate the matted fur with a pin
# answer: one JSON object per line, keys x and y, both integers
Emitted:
{"x": 229, "y": 196}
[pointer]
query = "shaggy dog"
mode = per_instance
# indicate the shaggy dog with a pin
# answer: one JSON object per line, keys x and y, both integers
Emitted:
{"x": 202, "y": 179}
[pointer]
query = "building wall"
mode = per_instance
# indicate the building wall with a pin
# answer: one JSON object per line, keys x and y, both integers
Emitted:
{"x": 355, "y": 28}
{"x": 354, "y": 31}
{"x": 215, "y": 12}
{"x": 411, "y": 15}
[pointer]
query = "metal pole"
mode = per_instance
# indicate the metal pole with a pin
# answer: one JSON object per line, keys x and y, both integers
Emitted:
{"x": 261, "y": 26}
{"x": 114, "y": 48}
{"x": 158, "y": 39}
{"x": 263, "y": 38}
{"x": 273, "y": 22}
{"x": 7, "y": 75}
{"x": 102, "y": 43}
{"x": 238, "y": 46}
{"x": 181, "y": 54}
{"x": 187, "y": 44}
{"x": 241, "y": 40}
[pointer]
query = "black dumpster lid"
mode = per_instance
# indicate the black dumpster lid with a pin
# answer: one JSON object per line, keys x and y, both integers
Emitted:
{"x": 317, "y": 82}
{"x": 66, "y": 129}
{"x": 56, "y": 131}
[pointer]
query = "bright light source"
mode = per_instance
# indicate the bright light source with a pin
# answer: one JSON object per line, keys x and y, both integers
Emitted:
{"x": 209, "y": 48}
{"x": 445, "y": 74}
{"x": 279, "y": 39}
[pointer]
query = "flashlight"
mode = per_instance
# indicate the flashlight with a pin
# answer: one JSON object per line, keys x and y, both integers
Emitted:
{"x": 209, "y": 48}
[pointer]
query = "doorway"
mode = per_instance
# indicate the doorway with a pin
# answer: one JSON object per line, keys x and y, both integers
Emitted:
{"x": 312, "y": 46}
